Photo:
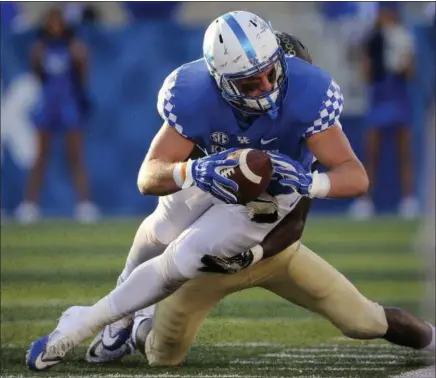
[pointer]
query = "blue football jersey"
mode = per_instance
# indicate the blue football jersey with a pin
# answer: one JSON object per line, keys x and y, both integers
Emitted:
{"x": 191, "y": 102}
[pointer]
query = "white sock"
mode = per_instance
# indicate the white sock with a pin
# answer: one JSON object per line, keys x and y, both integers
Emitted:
{"x": 144, "y": 248}
{"x": 97, "y": 317}
{"x": 431, "y": 346}
{"x": 143, "y": 287}
{"x": 147, "y": 312}
{"x": 149, "y": 283}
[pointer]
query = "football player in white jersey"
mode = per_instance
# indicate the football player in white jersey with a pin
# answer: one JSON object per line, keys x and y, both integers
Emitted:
{"x": 253, "y": 87}
{"x": 164, "y": 333}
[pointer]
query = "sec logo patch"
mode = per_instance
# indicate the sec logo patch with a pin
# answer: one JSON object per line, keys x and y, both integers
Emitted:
{"x": 219, "y": 137}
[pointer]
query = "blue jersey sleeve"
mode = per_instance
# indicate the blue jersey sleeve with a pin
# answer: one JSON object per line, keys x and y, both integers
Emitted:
{"x": 329, "y": 111}
{"x": 175, "y": 107}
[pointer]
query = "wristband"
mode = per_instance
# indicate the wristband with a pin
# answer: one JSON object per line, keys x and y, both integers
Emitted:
{"x": 257, "y": 252}
{"x": 182, "y": 174}
{"x": 179, "y": 174}
{"x": 320, "y": 186}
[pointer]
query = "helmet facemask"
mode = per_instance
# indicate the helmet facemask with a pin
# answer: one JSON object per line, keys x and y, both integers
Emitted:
{"x": 266, "y": 103}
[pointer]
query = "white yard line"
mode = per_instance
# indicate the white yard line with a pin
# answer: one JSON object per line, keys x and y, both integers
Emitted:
{"x": 247, "y": 345}
{"x": 313, "y": 362}
{"x": 340, "y": 342}
{"x": 332, "y": 368}
{"x": 164, "y": 375}
{"x": 343, "y": 348}
{"x": 298, "y": 360}
{"x": 167, "y": 375}
{"x": 330, "y": 355}
{"x": 428, "y": 372}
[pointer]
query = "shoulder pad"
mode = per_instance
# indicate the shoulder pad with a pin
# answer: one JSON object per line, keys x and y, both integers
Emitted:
{"x": 307, "y": 85}
{"x": 170, "y": 104}
{"x": 181, "y": 98}
{"x": 329, "y": 112}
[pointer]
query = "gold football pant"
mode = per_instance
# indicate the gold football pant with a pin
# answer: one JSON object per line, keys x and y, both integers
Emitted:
{"x": 296, "y": 274}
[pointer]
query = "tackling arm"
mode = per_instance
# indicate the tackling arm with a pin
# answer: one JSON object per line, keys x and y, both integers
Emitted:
{"x": 286, "y": 233}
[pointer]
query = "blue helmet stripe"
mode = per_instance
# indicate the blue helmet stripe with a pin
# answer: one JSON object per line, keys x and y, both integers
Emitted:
{"x": 242, "y": 37}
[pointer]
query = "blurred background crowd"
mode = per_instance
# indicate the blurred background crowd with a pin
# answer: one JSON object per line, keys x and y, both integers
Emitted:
{"x": 80, "y": 83}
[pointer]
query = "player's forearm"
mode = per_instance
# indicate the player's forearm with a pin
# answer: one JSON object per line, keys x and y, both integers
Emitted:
{"x": 348, "y": 179}
{"x": 288, "y": 231}
{"x": 157, "y": 178}
{"x": 281, "y": 237}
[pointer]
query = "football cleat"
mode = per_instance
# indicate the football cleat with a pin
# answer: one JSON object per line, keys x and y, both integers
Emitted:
{"x": 112, "y": 344}
{"x": 42, "y": 356}
{"x": 141, "y": 329}
{"x": 50, "y": 349}
{"x": 142, "y": 325}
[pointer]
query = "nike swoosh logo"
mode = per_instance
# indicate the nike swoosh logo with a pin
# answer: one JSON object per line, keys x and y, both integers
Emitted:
{"x": 41, "y": 364}
{"x": 267, "y": 141}
{"x": 95, "y": 351}
{"x": 107, "y": 339}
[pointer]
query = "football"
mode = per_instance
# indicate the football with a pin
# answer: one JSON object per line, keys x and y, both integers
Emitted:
{"x": 253, "y": 174}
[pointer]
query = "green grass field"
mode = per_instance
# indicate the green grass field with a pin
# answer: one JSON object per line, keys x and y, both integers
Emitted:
{"x": 47, "y": 267}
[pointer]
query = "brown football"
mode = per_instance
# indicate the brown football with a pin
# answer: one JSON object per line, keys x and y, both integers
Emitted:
{"x": 253, "y": 174}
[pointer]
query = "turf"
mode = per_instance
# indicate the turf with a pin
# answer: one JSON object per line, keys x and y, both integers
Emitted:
{"x": 47, "y": 267}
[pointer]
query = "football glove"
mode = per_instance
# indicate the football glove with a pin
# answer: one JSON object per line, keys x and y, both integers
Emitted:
{"x": 227, "y": 265}
{"x": 264, "y": 209}
{"x": 209, "y": 173}
{"x": 292, "y": 173}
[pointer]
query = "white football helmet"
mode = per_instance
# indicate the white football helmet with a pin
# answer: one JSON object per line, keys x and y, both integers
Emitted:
{"x": 239, "y": 45}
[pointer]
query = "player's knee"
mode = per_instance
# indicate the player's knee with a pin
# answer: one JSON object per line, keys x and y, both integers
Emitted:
{"x": 186, "y": 264}
{"x": 170, "y": 273}
{"x": 187, "y": 260}
{"x": 368, "y": 321}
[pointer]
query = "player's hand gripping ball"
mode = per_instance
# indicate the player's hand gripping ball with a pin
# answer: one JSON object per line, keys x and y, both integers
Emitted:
{"x": 252, "y": 174}
{"x": 292, "y": 173}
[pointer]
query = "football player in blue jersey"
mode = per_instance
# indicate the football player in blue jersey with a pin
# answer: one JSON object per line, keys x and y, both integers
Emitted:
{"x": 244, "y": 93}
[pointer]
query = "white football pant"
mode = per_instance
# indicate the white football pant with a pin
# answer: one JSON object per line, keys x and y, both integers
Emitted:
{"x": 297, "y": 274}
{"x": 192, "y": 223}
